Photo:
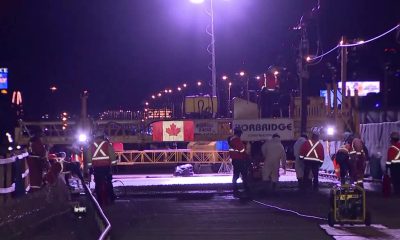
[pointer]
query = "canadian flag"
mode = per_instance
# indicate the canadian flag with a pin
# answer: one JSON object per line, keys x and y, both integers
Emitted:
{"x": 173, "y": 131}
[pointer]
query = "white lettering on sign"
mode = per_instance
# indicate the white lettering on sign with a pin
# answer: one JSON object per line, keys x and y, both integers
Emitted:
{"x": 262, "y": 129}
{"x": 205, "y": 127}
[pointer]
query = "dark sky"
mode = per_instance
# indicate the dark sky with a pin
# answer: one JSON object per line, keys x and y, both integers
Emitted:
{"x": 123, "y": 51}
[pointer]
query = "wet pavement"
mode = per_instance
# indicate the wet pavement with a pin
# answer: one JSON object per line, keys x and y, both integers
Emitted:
{"x": 184, "y": 213}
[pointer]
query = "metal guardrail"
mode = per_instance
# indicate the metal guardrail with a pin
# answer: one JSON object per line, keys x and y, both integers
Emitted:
{"x": 101, "y": 218}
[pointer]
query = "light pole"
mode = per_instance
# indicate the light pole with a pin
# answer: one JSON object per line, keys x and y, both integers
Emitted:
{"x": 212, "y": 46}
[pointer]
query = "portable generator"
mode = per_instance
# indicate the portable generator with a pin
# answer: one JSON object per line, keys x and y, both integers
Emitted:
{"x": 348, "y": 205}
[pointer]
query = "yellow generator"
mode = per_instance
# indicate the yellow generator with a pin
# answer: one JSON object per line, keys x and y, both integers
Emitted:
{"x": 348, "y": 206}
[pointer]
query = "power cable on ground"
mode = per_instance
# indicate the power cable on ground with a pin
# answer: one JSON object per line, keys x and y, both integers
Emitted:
{"x": 290, "y": 211}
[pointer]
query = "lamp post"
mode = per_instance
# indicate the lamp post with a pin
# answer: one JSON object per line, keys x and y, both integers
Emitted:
{"x": 212, "y": 46}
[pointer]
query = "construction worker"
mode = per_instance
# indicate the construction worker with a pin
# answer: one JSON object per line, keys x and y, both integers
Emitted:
{"x": 312, "y": 153}
{"x": 357, "y": 159}
{"x": 393, "y": 161}
{"x": 37, "y": 161}
{"x": 240, "y": 160}
{"x": 102, "y": 157}
{"x": 274, "y": 154}
{"x": 342, "y": 158}
{"x": 299, "y": 163}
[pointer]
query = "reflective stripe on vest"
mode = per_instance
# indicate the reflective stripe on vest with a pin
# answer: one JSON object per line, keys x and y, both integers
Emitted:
{"x": 397, "y": 158}
{"x": 312, "y": 150}
{"x": 99, "y": 150}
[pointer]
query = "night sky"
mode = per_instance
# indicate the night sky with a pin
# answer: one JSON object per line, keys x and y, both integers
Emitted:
{"x": 124, "y": 51}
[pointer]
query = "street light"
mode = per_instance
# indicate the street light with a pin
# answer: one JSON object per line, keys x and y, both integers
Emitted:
{"x": 199, "y": 83}
{"x": 224, "y": 77}
{"x": 242, "y": 73}
{"x": 212, "y": 45}
{"x": 197, "y": 1}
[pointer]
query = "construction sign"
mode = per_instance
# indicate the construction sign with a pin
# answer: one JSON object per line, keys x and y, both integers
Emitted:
{"x": 262, "y": 129}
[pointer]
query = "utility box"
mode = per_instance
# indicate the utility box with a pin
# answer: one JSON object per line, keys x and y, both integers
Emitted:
{"x": 201, "y": 105}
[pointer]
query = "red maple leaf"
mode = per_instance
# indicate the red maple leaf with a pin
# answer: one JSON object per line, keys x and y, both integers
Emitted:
{"x": 173, "y": 130}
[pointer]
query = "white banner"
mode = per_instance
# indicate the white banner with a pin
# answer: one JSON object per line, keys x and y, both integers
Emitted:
{"x": 205, "y": 127}
{"x": 261, "y": 129}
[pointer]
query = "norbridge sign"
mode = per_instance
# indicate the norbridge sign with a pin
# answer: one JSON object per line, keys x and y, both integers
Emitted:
{"x": 262, "y": 129}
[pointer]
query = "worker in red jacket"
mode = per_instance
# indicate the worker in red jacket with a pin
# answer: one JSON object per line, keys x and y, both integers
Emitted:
{"x": 357, "y": 159}
{"x": 312, "y": 153}
{"x": 240, "y": 160}
{"x": 37, "y": 161}
{"x": 102, "y": 157}
{"x": 393, "y": 161}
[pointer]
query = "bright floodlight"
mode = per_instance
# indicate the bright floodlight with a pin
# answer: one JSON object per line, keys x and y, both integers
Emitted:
{"x": 179, "y": 89}
{"x": 198, "y": 83}
{"x": 241, "y": 73}
{"x": 224, "y": 77}
{"x": 197, "y": 1}
{"x": 276, "y": 73}
{"x": 82, "y": 137}
{"x": 330, "y": 131}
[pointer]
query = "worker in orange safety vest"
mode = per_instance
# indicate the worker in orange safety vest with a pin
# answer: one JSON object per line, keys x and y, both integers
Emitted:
{"x": 102, "y": 157}
{"x": 393, "y": 161}
{"x": 240, "y": 160}
{"x": 342, "y": 159}
{"x": 312, "y": 153}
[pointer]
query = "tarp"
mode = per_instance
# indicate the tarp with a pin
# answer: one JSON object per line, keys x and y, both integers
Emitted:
{"x": 376, "y": 137}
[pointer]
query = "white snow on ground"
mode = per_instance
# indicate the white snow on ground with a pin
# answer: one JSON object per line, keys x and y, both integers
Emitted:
{"x": 167, "y": 179}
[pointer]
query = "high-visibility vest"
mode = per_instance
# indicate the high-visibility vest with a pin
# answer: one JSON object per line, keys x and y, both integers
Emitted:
{"x": 393, "y": 154}
{"x": 237, "y": 149}
{"x": 313, "y": 152}
{"x": 100, "y": 157}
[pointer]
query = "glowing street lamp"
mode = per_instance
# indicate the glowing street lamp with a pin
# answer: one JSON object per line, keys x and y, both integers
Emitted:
{"x": 184, "y": 85}
{"x": 159, "y": 94}
{"x": 146, "y": 103}
{"x": 199, "y": 83}
{"x": 276, "y": 73}
{"x": 224, "y": 77}
{"x": 53, "y": 88}
{"x": 212, "y": 46}
{"x": 179, "y": 89}
{"x": 242, "y": 73}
